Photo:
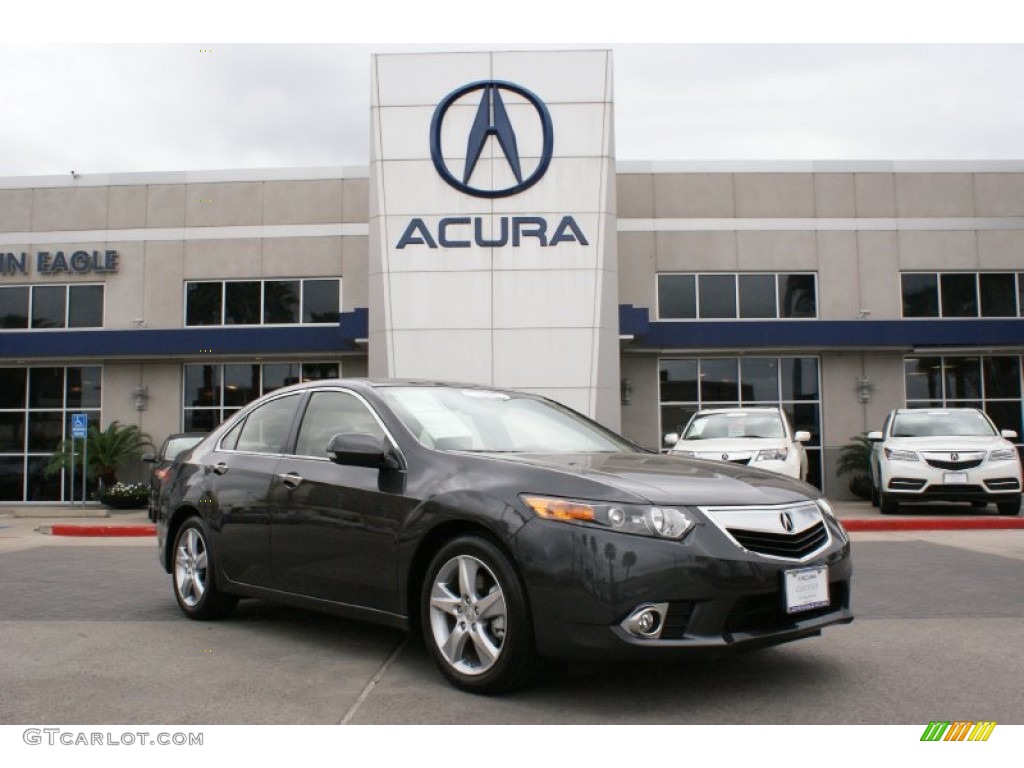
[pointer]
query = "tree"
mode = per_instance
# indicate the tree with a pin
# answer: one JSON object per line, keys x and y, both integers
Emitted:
{"x": 108, "y": 451}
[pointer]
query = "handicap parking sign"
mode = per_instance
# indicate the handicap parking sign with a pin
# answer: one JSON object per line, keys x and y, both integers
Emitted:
{"x": 79, "y": 424}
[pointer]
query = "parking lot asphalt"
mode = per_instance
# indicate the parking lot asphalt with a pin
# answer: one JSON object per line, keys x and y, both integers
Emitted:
{"x": 90, "y": 633}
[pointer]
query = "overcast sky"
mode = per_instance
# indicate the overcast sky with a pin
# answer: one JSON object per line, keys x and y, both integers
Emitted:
{"x": 147, "y": 107}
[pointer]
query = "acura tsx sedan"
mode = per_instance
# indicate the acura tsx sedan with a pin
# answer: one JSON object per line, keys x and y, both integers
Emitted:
{"x": 507, "y": 528}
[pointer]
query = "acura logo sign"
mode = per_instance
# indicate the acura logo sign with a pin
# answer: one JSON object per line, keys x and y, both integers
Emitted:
{"x": 491, "y": 120}
{"x": 787, "y": 522}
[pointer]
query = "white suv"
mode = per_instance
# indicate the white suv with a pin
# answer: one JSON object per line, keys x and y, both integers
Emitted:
{"x": 949, "y": 454}
{"x": 760, "y": 437}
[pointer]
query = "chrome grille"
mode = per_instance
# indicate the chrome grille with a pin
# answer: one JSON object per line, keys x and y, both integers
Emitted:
{"x": 795, "y": 545}
{"x": 787, "y": 531}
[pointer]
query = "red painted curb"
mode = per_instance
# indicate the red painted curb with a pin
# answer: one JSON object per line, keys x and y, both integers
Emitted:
{"x": 935, "y": 524}
{"x": 102, "y": 530}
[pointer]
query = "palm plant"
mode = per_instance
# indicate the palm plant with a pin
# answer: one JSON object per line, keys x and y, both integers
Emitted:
{"x": 855, "y": 459}
{"x": 108, "y": 450}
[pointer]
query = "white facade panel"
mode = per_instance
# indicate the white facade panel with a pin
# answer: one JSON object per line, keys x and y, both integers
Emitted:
{"x": 506, "y": 230}
{"x": 563, "y": 355}
{"x": 424, "y": 300}
{"x": 423, "y": 79}
{"x": 544, "y": 298}
{"x": 564, "y": 76}
{"x": 448, "y": 355}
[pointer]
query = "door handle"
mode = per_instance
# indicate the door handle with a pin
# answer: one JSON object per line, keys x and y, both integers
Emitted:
{"x": 218, "y": 469}
{"x": 290, "y": 480}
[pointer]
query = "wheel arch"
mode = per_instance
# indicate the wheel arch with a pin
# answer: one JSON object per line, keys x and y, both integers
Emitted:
{"x": 431, "y": 544}
{"x": 181, "y": 514}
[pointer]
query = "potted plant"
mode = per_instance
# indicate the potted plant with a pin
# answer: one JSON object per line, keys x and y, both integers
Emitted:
{"x": 107, "y": 450}
{"x": 855, "y": 460}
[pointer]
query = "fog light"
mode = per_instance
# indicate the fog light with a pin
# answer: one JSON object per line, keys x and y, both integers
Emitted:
{"x": 646, "y": 620}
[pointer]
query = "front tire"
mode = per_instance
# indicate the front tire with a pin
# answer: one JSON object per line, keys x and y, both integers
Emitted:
{"x": 475, "y": 619}
{"x": 889, "y": 504}
{"x": 194, "y": 575}
{"x": 1009, "y": 508}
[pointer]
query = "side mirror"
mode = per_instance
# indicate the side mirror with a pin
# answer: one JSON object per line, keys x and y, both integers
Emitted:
{"x": 149, "y": 457}
{"x": 671, "y": 439}
{"x": 874, "y": 437}
{"x": 802, "y": 436}
{"x": 361, "y": 450}
{"x": 1009, "y": 434}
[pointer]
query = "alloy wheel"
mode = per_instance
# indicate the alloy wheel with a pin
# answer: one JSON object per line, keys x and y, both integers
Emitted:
{"x": 468, "y": 615}
{"x": 190, "y": 567}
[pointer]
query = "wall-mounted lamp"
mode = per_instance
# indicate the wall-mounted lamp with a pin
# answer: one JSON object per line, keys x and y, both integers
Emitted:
{"x": 626, "y": 391}
{"x": 141, "y": 397}
{"x": 864, "y": 389}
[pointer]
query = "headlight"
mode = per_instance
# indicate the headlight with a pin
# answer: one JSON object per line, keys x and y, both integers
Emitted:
{"x": 1003, "y": 454}
{"x": 772, "y": 454}
{"x": 659, "y": 522}
{"x": 900, "y": 455}
{"x": 827, "y": 511}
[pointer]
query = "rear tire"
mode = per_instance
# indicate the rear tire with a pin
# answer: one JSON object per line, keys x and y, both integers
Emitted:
{"x": 889, "y": 505}
{"x": 475, "y": 619}
{"x": 193, "y": 574}
{"x": 1009, "y": 508}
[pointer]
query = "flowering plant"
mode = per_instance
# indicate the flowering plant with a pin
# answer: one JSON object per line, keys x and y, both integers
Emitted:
{"x": 125, "y": 495}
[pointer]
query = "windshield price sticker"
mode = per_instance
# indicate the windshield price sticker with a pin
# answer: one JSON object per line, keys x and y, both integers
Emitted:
{"x": 806, "y": 589}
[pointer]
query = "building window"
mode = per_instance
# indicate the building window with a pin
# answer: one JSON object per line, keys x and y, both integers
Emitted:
{"x": 690, "y": 384}
{"x": 990, "y": 382}
{"x": 262, "y": 302}
{"x": 737, "y": 296}
{"x": 214, "y": 391}
{"x": 51, "y": 306}
{"x": 36, "y": 404}
{"x": 962, "y": 294}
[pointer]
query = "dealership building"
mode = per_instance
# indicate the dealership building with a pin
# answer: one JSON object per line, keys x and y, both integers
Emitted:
{"x": 494, "y": 238}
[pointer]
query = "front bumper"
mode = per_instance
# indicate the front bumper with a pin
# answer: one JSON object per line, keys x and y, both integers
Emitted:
{"x": 583, "y": 582}
{"x": 993, "y": 481}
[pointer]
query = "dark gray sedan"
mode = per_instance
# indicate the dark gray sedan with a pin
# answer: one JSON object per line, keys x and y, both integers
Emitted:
{"x": 505, "y": 526}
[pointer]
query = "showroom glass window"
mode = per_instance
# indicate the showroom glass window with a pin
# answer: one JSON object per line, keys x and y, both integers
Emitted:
{"x": 36, "y": 404}
{"x": 214, "y": 391}
{"x": 262, "y": 302}
{"x": 690, "y": 384}
{"x": 51, "y": 306}
{"x": 962, "y": 294}
{"x": 737, "y": 296}
{"x": 990, "y": 382}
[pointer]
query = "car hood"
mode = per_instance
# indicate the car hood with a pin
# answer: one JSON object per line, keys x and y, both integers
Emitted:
{"x": 949, "y": 443}
{"x": 662, "y": 479}
{"x": 730, "y": 445}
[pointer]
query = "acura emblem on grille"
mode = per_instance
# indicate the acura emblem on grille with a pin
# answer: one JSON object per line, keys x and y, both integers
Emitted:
{"x": 954, "y": 457}
{"x": 725, "y": 457}
{"x": 787, "y": 521}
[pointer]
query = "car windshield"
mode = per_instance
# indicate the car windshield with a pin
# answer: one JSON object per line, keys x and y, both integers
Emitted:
{"x": 468, "y": 419}
{"x": 717, "y": 426}
{"x": 176, "y": 445}
{"x": 941, "y": 423}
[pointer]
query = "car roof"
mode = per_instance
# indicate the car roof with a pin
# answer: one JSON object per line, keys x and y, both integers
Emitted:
{"x": 368, "y": 383}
